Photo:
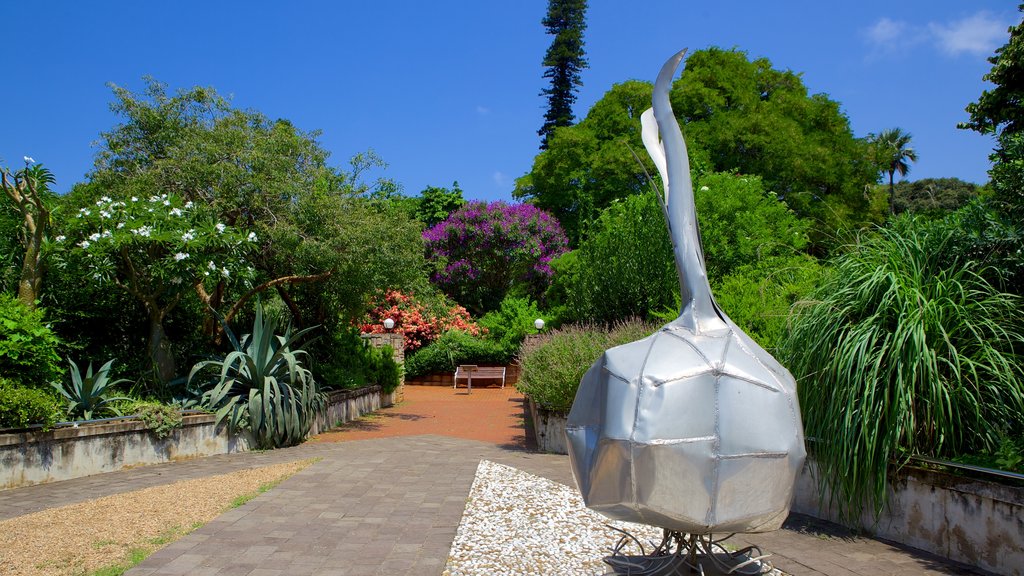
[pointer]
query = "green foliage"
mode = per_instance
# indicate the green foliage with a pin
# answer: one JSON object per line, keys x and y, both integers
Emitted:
{"x": 587, "y": 166}
{"x": 452, "y": 349}
{"x": 262, "y": 386}
{"x": 551, "y": 369}
{"x": 1007, "y": 174}
{"x": 755, "y": 119}
{"x": 999, "y": 112}
{"x": 88, "y": 395}
{"x": 21, "y": 406}
{"x": 738, "y": 115}
{"x": 564, "y": 60}
{"x": 758, "y": 297}
{"x": 899, "y": 355}
{"x": 892, "y": 154}
{"x": 160, "y": 419}
{"x": 625, "y": 266}
{"x": 511, "y": 322}
{"x": 382, "y": 369}
{"x": 436, "y": 204}
{"x": 28, "y": 348}
{"x": 934, "y": 197}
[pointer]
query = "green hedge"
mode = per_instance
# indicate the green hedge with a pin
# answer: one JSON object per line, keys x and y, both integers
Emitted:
{"x": 21, "y": 406}
{"x": 28, "y": 348}
{"x": 451, "y": 349}
{"x": 551, "y": 370}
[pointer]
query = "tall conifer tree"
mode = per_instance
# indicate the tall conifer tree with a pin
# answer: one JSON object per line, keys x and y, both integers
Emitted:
{"x": 566, "y": 20}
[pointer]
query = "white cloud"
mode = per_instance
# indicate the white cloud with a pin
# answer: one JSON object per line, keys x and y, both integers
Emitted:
{"x": 886, "y": 32}
{"x": 981, "y": 33}
{"x": 482, "y": 110}
{"x": 501, "y": 179}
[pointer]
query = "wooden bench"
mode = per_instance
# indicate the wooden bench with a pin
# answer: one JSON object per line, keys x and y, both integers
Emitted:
{"x": 469, "y": 372}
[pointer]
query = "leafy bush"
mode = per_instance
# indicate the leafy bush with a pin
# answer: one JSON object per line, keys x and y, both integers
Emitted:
{"x": 160, "y": 419}
{"x": 21, "y": 406}
{"x": 509, "y": 325}
{"x": 28, "y": 348}
{"x": 419, "y": 320}
{"x": 759, "y": 296}
{"x": 551, "y": 369}
{"x": 452, "y": 349}
{"x": 382, "y": 369}
{"x": 625, "y": 267}
{"x": 88, "y": 395}
{"x": 483, "y": 251}
{"x": 900, "y": 355}
{"x": 262, "y": 385}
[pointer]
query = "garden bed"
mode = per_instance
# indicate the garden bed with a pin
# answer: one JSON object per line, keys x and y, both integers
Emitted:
{"x": 976, "y": 522}
{"x": 66, "y": 452}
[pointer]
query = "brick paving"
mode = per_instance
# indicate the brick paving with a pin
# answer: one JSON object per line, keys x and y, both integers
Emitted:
{"x": 389, "y": 491}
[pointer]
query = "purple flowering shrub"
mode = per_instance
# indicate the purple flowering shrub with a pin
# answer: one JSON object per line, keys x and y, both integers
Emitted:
{"x": 483, "y": 251}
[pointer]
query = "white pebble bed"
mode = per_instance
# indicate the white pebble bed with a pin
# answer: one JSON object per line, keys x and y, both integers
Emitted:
{"x": 517, "y": 523}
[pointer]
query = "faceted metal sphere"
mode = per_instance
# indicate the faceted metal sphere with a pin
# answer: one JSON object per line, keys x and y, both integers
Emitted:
{"x": 698, "y": 433}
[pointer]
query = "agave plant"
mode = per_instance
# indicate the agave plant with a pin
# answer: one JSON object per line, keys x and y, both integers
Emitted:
{"x": 262, "y": 386}
{"x": 87, "y": 395}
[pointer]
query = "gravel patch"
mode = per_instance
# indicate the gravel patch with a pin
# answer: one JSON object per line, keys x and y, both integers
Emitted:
{"x": 81, "y": 538}
{"x": 516, "y": 523}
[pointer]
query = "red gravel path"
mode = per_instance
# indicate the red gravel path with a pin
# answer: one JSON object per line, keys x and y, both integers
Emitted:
{"x": 488, "y": 414}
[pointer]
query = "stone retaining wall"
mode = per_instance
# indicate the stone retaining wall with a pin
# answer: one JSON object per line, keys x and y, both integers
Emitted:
{"x": 975, "y": 522}
{"x": 70, "y": 452}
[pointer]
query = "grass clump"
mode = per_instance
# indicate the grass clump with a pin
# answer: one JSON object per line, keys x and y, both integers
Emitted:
{"x": 902, "y": 354}
{"x": 552, "y": 368}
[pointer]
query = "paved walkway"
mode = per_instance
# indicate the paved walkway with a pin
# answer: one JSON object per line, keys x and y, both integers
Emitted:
{"x": 386, "y": 499}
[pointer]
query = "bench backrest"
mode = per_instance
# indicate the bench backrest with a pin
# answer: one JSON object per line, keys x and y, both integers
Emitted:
{"x": 481, "y": 371}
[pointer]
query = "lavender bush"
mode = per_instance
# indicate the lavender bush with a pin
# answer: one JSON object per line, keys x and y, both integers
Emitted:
{"x": 484, "y": 251}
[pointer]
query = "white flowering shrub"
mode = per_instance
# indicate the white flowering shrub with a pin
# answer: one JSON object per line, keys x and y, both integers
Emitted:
{"x": 156, "y": 247}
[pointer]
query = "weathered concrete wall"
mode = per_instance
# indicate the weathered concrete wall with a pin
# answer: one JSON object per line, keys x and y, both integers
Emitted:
{"x": 972, "y": 521}
{"x": 65, "y": 453}
{"x": 549, "y": 428}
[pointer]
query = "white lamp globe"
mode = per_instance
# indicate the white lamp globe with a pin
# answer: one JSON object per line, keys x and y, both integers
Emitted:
{"x": 538, "y": 324}
{"x": 389, "y": 323}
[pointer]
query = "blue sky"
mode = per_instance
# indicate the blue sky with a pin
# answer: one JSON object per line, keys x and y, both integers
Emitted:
{"x": 448, "y": 90}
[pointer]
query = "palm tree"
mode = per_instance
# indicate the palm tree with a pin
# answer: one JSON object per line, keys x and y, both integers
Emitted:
{"x": 893, "y": 154}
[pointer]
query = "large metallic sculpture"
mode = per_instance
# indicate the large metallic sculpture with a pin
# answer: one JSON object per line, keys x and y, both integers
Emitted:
{"x": 695, "y": 429}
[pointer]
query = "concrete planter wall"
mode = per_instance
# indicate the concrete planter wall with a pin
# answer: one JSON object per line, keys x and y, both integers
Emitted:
{"x": 975, "y": 522}
{"x": 971, "y": 521}
{"x": 549, "y": 428}
{"x": 64, "y": 453}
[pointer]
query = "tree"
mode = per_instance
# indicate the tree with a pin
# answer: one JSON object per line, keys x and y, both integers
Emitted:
{"x": 436, "y": 204}
{"x": 26, "y": 190}
{"x": 566, "y": 21}
{"x": 738, "y": 116}
{"x": 740, "y": 225}
{"x": 934, "y": 196}
{"x": 320, "y": 245}
{"x": 158, "y": 250}
{"x": 1000, "y": 112}
{"x": 892, "y": 152}
{"x": 484, "y": 251}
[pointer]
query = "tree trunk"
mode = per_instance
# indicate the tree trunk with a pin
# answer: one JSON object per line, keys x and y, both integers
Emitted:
{"x": 31, "y": 275}
{"x": 892, "y": 195}
{"x": 160, "y": 352}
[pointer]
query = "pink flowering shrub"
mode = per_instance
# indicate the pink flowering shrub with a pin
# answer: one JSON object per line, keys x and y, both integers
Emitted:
{"x": 419, "y": 324}
{"x": 482, "y": 251}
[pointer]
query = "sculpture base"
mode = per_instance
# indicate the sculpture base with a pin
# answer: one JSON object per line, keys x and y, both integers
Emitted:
{"x": 681, "y": 554}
